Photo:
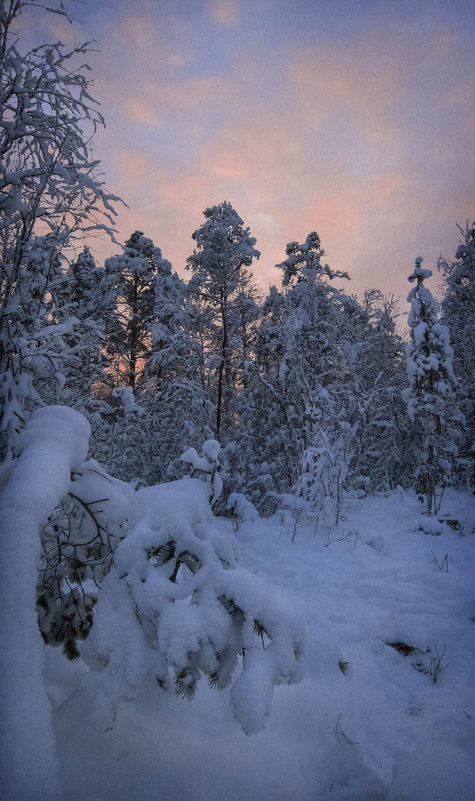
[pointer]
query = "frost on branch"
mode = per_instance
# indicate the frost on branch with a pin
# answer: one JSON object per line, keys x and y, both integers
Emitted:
{"x": 177, "y": 605}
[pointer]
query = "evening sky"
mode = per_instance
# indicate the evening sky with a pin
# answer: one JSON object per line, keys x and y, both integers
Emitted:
{"x": 354, "y": 119}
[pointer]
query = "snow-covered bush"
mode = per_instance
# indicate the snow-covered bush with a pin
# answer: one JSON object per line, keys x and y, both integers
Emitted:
{"x": 323, "y": 470}
{"x": 176, "y": 605}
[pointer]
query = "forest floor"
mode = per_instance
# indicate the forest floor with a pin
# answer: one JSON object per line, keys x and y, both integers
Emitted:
{"x": 386, "y": 708}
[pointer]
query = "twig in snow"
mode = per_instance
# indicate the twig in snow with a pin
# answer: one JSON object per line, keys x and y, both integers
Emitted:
{"x": 440, "y": 565}
{"x": 340, "y": 733}
{"x": 436, "y": 666}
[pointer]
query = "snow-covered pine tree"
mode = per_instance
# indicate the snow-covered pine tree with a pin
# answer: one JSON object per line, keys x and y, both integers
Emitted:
{"x": 306, "y": 259}
{"x": 256, "y": 460}
{"x": 377, "y": 365}
{"x": 177, "y": 605}
{"x": 458, "y": 314}
{"x": 430, "y": 397}
{"x": 129, "y": 289}
{"x": 124, "y": 436}
{"x": 173, "y": 391}
{"x": 128, "y": 438}
{"x": 237, "y": 449}
{"x": 298, "y": 362}
{"x": 224, "y": 250}
{"x": 312, "y": 373}
{"x": 79, "y": 295}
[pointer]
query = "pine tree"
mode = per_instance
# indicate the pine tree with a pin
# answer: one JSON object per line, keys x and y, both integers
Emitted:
{"x": 79, "y": 295}
{"x": 129, "y": 288}
{"x": 163, "y": 405}
{"x": 257, "y": 460}
{"x": 378, "y": 367}
{"x": 174, "y": 393}
{"x": 299, "y": 376}
{"x": 312, "y": 374}
{"x": 224, "y": 250}
{"x": 430, "y": 397}
{"x": 127, "y": 433}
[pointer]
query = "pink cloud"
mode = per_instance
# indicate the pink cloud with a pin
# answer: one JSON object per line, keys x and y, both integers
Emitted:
{"x": 142, "y": 112}
{"x": 139, "y": 32}
{"x": 345, "y": 143}
{"x": 224, "y": 12}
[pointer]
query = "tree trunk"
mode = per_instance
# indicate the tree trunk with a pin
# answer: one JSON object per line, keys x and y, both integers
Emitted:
{"x": 133, "y": 335}
{"x": 222, "y": 367}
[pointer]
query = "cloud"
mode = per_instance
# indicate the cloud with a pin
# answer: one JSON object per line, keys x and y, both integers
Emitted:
{"x": 140, "y": 111}
{"x": 364, "y": 140}
{"x": 138, "y": 31}
{"x": 224, "y": 12}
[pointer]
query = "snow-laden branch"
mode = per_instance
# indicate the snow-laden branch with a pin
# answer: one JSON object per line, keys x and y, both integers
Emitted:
{"x": 177, "y": 605}
{"x": 53, "y": 443}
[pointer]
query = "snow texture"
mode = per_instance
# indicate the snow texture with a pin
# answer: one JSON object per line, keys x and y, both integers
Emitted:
{"x": 363, "y": 725}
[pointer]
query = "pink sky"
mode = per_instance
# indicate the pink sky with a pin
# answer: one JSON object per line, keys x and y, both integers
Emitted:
{"x": 354, "y": 119}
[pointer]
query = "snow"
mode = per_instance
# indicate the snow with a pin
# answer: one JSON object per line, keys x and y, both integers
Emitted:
{"x": 126, "y": 396}
{"x": 364, "y": 724}
{"x": 208, "y": 461}
{"x": 440, "y": 770}
{"x": 211, "y": 450}
{"x": 53, "y": 443}
{"x": 190, "y": 456}
{"x": 177, "y": 605}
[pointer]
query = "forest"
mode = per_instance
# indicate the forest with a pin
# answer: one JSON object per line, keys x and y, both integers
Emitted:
{"x": 147, "y": 418}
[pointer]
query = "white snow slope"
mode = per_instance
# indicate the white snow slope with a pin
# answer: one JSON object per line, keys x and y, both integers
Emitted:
{"x": 365, "y": 724}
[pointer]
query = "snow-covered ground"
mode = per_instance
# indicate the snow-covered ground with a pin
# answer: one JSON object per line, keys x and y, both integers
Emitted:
{"x": 367, "y": 722}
